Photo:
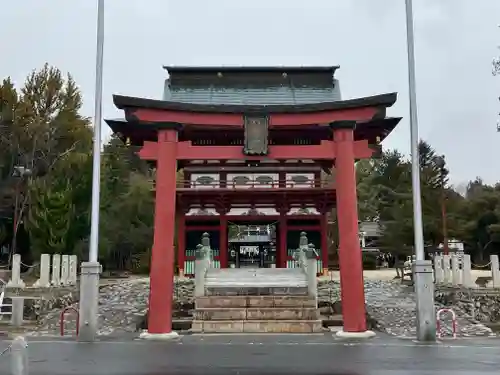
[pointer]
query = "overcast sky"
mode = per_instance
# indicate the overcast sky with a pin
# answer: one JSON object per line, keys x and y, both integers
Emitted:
{"x": 455, "y": 43}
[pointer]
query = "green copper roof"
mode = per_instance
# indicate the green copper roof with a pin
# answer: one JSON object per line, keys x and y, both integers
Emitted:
{"x": 252, "y": 86}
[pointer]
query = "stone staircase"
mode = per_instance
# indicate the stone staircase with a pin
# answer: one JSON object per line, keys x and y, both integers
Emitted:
{"x": 256, "y": 300}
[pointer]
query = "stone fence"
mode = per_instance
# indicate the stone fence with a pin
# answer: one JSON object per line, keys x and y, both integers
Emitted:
{"x": 55, "y": 270}
{"x": 455, "y": 270}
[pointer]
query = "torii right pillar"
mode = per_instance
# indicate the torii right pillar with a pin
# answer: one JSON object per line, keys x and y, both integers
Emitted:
{"x": 350, "y": 259}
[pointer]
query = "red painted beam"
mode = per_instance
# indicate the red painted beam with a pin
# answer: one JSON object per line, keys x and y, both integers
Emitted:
{"x": 237, "y": 120}
{"x": 205, "y": 228}
{"x": 162, "y": 115}
{"x": 325, "y": 117}
{"x": 148, "y": 151}
{"x": 324, "y": 151}
{"x": 186, "y": 151}
{"x": 362, "y": 150}
{"x": 303, "y": 227}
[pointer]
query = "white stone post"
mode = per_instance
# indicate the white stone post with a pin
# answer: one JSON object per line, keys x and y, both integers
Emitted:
{"x": 44, "y": 280}
{"x": 64, "y": 269}
{"x": 200, "y": 269}
{"x": 455, "y": 271}
{"x": 312, "y": 271}
{"x": 495, "y": 271}
{"x": 17, "y": 314}
{"x": 73, "y": 270}
{"x": 19, "y": 356}
{"x": 467, "y": 271}
{"x": 438, "y": 269}
{"x": 56, "y": 269}
{"x": 446, "y": 269}
{"x": 15, "y": 277}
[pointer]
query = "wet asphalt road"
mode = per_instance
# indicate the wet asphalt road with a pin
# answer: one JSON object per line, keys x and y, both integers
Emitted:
{"x": 283, "y": 354}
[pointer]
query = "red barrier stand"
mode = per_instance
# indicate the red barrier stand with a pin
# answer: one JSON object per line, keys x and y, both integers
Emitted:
{"x": 61, "y": 321}
{"x": 453, "y": 322}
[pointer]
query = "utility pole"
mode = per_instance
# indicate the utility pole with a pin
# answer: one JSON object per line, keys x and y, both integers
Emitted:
{"x": 89, "y": 279}
{"x": 422, "y": 269}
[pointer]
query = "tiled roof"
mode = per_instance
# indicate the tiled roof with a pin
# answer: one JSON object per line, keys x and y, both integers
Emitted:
{"x": 252, "y": 86}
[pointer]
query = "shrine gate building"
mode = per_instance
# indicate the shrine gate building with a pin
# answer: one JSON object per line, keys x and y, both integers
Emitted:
{"x": 268, "y": 146}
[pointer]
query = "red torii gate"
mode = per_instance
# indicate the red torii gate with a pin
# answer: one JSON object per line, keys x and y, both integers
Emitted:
{"x": 170, "y": 122}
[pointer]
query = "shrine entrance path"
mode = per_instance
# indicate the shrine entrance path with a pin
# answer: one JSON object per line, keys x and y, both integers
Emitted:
{"x": 257, "y": 354}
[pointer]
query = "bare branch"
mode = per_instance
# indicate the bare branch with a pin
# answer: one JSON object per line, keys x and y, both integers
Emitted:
{"x": 60, "y": 156}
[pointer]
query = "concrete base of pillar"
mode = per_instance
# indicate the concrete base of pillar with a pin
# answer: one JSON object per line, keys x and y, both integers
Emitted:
{"x": 89, "y": 301}
{"x": 424, "y": 290}
{"x": 159, "y": 336}
{"x": 355, "y": 335}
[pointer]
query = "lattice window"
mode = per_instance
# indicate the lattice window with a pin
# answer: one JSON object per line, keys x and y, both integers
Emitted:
{"x": 205, "y": 180}
{"x": 241, "y": 180}
{"x": 298, "y": 179}
{"x": 303, "y": 211}
{"x": 264, "y": 180}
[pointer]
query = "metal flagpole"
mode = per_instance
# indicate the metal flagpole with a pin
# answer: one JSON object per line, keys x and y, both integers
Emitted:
{"x": 89, "y": 281}
{"x": 423, "y": 276}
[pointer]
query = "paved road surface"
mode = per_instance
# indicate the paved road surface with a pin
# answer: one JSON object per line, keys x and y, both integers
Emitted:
{"x": 284, "y": 354}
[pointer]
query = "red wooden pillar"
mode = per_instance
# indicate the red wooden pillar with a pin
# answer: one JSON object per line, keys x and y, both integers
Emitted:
{"x": 282, "y": 179}
{"x": 223, "y": 241}
{"x": 162, "y": 257}
{"x": 324, "y": 240}
{"x": 350, "y": 260}
{"x": 181, "y": 241}
{"x": 282, "y": 250}
{"x": 187, "y": 179}
{"x": 223, "y": 179}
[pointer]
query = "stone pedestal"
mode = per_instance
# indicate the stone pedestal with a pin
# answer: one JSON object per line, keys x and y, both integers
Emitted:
{"x": 56, "y": 269}
{"x": 16, "y": 319}
{"x": 159, "y": 336}
{"x": 44, "y": 280}
{"x": 19, "y": 356}
{"x": 15, "y": 276}
{"x": 355, "y": 335}
{"x": 89, "y": 301}
{"x": 426, "y": 313}
{"x": 200, "y": 269}
{"x": 311, "y": 271}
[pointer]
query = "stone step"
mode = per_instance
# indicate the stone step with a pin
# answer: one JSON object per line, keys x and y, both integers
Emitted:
{"x": 254, "y": 301}
{"x": 260, "y": 271}
{"x": 257, "y": 313}
{"x": 253, "y": 284}
{"x": 218, "y": 290}
{"x": 259, "y": 277}
{"x": 257, "y": 326}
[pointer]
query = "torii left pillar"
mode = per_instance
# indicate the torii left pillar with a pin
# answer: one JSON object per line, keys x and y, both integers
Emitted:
{"x": 162, "y": 256}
